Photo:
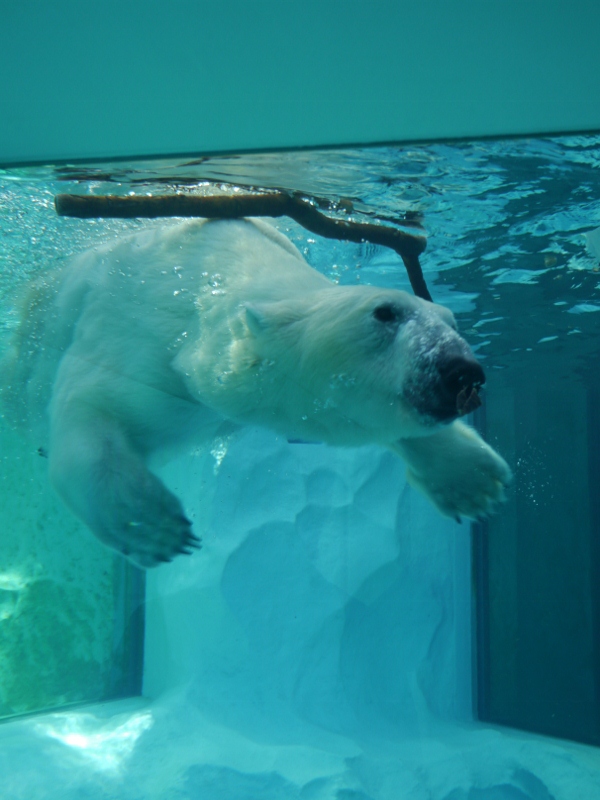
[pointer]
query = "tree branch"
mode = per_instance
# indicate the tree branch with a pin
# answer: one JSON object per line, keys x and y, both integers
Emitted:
{"x": 273, "y": 204}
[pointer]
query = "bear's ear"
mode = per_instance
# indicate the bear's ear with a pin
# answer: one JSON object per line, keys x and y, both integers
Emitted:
{"x": 257, "y": 318}
{"x": 263, "y": 317}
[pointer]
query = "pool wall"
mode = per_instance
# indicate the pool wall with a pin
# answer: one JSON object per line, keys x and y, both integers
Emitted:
{"x": 152, "y": 78}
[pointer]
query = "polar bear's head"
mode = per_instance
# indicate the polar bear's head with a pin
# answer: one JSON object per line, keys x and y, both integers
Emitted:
{"x": 351, "y": 365}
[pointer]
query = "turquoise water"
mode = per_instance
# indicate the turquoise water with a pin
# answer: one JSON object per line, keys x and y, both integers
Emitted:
{"x": 506, "y": 225}
{"x": 497, "y": 214}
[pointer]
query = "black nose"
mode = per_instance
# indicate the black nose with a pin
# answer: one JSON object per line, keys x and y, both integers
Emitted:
{"x": 458, "y": 372}
{"x": 461, "y": 377}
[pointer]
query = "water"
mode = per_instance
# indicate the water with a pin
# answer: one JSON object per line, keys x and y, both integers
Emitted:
{"x": 497, "y": 214}
{"x": 319, "y": 646}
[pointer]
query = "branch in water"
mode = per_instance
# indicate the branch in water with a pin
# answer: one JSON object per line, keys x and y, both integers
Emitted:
{"x": 272, "y": 204}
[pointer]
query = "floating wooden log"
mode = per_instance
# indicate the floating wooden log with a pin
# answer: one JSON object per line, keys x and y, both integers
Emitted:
{"x": 232, "y": 206}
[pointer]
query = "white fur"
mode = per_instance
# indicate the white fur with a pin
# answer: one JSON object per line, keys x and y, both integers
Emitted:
{"x": 180, "y": 332}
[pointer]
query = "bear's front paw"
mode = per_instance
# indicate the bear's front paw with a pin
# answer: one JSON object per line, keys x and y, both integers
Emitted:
{"x": 143, "y": 520}
{"x": 473, "y": 490}
{"x": 461, "y": 474}
{"x": 149, "y": 540}
{"x": 147, "y": 524}
{"x": 108, "y": 485}
{"x": 132, "y": 511}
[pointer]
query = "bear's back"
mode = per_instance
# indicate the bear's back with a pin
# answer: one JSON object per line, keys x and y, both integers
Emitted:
{"x": 130, "y": 304}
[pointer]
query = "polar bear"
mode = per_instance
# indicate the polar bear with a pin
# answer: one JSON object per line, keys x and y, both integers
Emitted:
{"x": 179, "y": 333}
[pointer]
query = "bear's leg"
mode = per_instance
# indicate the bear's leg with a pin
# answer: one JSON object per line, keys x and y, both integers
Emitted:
{"x": 106, "y": 483}
{"x": 456, "y": 470}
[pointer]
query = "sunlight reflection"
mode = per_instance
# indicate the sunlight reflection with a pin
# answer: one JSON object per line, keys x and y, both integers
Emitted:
{"x": 13, "y": 581}
{"x": 106, "y": 744}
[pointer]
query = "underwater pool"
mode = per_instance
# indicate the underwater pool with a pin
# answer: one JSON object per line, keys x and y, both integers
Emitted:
{"x": 336, "y": 637}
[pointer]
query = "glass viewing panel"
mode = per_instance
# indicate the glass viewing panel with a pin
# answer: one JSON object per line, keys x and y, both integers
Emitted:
{"x": 513, "y": 250}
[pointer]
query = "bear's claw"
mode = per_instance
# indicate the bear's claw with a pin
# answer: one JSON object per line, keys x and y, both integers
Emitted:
{"x": 191, "y": 543}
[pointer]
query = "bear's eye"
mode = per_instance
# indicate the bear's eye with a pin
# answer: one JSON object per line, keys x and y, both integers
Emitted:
{"x": 386, "y": 312}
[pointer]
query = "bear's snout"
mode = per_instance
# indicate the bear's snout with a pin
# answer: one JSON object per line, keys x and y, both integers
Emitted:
{"x": 461, "y": 376}
{"x": 448, "y": 384}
